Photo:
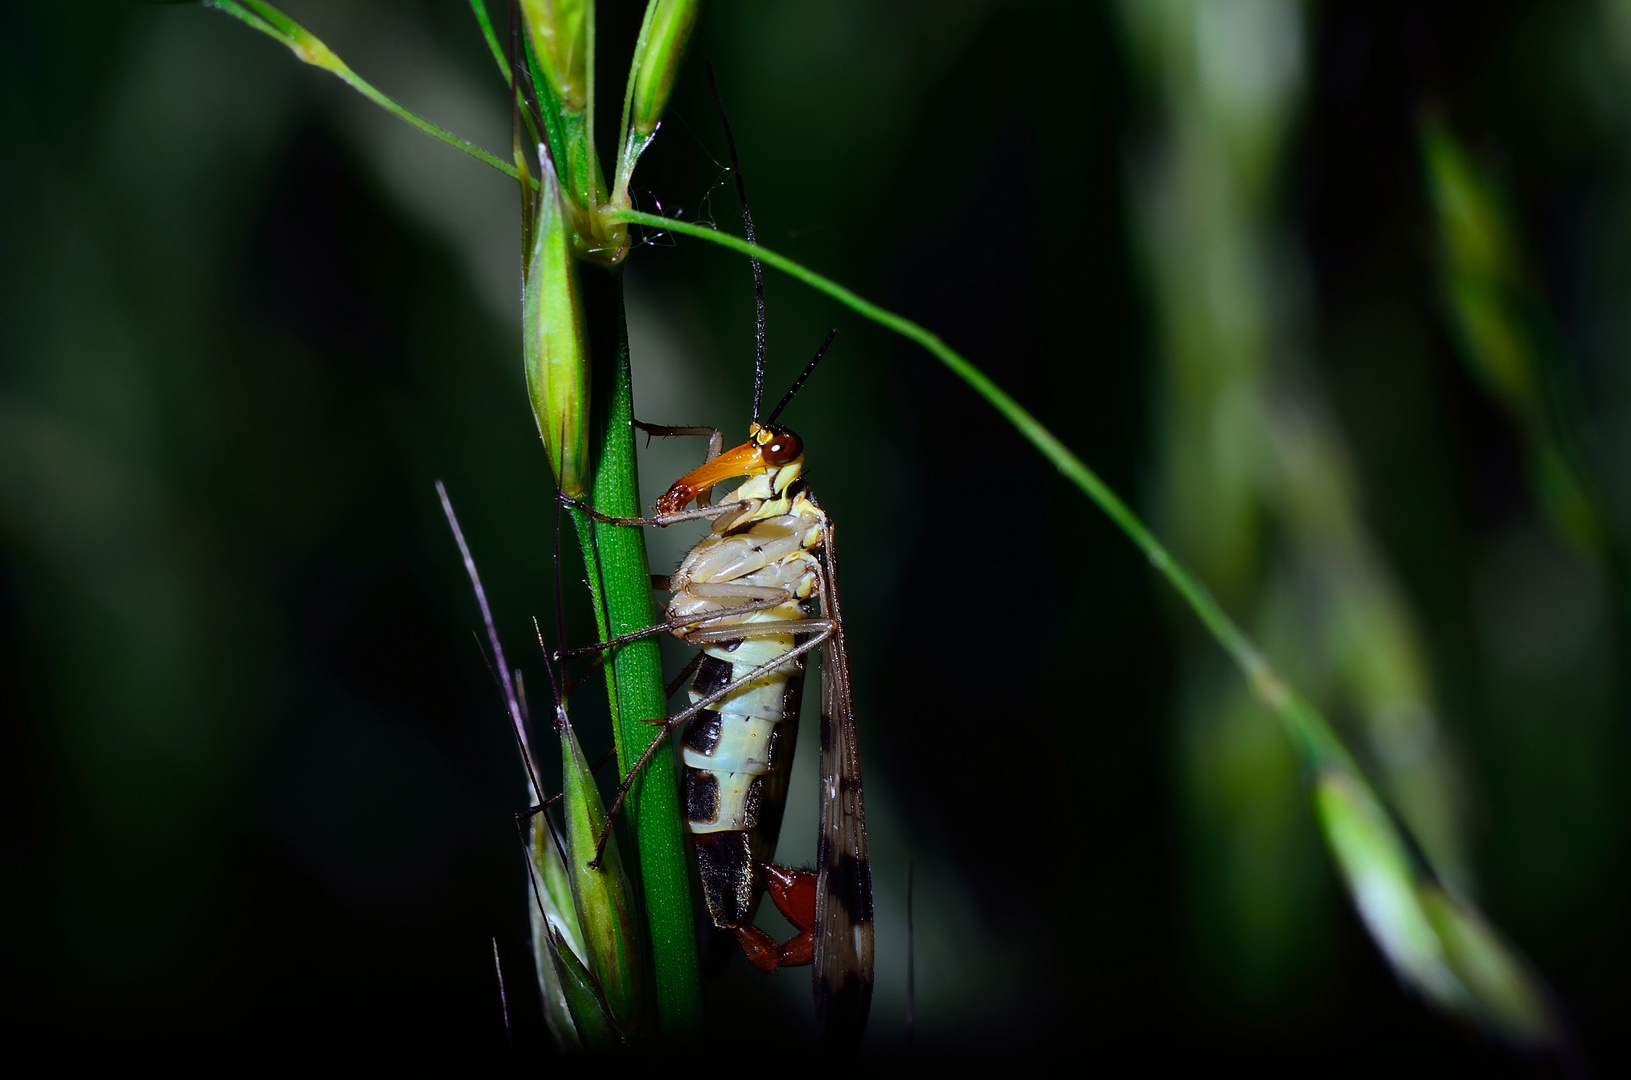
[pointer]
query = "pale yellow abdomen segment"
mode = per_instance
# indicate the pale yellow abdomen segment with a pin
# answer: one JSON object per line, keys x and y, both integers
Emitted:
{"x": 740, "y": 736}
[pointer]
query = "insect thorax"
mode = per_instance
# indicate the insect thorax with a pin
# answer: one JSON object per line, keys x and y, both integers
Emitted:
{"x": 769, "y": 544}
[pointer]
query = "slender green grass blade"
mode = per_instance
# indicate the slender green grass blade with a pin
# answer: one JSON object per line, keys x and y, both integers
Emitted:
{"x": 1504, "y": 996}
{"x": 480, "y": 11}
{"x": 1441, "y": 947}
{"x": 310, "y": 50}
{"x": 237, "y": 11}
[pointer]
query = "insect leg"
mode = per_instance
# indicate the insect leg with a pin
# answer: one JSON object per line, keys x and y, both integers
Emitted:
{"x": 730, "y": 590}
{"x": 524, "y": 816}
{"x": 781, "y": 596}
{"x": 663, "y": 431}
{"x": 794, "y": 894}
{"x": 716, "y": 445}
{"x": 659, "y": 521}
{"x": 602, "y": 650}
{"x": 760, "y": 948}
{"x": 821, "y": 631}
{"x": 793, "y": 891}
{"x": 765, "y": 598}
{"x": 725, "y": 634}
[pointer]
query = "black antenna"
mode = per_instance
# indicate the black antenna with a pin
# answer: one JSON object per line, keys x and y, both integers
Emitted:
{"x": 805, "y": 374}
{"x": 747, "y": 227}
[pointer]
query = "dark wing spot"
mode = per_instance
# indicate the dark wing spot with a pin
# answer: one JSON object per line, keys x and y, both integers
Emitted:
{"x": 713, "y": 674}
{"x": 701, "y": 795}
{"x": 702, "y": 732}
{"x": 841, "y": 1013}
{"x": 826, "y": 733}
{"x": 850, "y": 884}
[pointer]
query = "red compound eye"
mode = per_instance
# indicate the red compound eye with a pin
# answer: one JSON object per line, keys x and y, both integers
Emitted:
{"x": 782, "y": 447}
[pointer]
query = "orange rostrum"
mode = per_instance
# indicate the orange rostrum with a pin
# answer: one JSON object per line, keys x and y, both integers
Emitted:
{"x": 767, "y": 448}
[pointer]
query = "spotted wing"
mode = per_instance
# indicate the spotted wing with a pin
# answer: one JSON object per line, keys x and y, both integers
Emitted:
{"x": 843, "y": 929}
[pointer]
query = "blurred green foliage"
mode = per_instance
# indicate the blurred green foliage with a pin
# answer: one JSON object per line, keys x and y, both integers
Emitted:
{"x": 1507, "y": 339}
{"x": 1260, "y": 496}
{"x": 259, "y": 778}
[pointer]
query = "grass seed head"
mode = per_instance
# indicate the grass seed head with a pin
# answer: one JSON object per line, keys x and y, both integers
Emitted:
{"x": 559, "y": 33}
{"x": 601, "y": 893}
{"x": 556, "y": 342}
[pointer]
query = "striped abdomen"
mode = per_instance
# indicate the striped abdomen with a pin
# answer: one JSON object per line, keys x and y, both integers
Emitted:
{"x": 736, "y": 756}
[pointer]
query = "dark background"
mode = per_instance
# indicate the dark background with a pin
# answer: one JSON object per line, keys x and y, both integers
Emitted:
{"x": 256, "y": 784}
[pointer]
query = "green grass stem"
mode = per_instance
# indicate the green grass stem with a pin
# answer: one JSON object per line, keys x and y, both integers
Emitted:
{"x": 620, "y": 581}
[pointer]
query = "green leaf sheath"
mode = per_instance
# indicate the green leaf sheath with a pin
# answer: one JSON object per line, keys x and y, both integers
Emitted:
{"x": 549, "y": 107}
{"x": 620, "y": 580}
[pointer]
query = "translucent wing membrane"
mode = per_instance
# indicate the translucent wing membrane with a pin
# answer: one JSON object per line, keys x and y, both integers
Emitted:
{"x": 843, "y": 940}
